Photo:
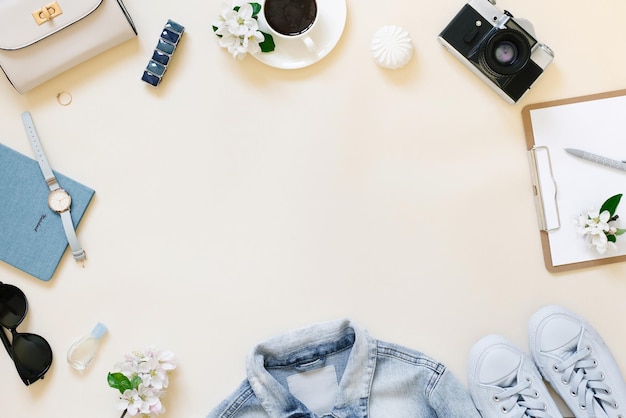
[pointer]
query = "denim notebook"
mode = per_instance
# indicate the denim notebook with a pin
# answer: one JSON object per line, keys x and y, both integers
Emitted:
{"x": 31, "y": 234}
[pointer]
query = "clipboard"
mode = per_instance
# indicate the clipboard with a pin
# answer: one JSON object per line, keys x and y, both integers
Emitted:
{"x": 565, "y": 186}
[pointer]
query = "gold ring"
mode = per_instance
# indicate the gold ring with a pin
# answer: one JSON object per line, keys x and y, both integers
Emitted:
{"x": 64, "y": 98}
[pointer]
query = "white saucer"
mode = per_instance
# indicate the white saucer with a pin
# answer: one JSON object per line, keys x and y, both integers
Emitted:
{"x": 292, "y": 53}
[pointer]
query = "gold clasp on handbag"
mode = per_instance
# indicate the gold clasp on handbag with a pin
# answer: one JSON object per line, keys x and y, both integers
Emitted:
{"x": 47, "y": 13}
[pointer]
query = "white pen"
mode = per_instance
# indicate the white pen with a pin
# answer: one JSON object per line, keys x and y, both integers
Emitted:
{"x": 620, "y": 165}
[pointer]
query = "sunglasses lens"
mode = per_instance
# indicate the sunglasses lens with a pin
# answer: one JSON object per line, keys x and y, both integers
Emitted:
{"x": 32, "y": 356}
{"x": 13, "y": 306}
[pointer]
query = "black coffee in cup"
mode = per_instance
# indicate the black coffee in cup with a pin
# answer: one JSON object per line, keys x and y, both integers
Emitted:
{"x": 290, "y": 17}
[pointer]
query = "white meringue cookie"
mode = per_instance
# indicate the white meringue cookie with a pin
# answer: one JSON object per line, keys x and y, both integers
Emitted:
{"x": 391, "y": 47}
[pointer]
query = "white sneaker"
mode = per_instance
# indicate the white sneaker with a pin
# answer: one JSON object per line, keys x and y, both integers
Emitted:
{"x": 572, "y": 357}
{"x": 504, "y": 382}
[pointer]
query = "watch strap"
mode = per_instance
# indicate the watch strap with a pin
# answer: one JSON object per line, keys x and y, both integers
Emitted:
{"x": 66, "y": 218}
{"x": 77, "y": 251}
{"x": 31, "y": 133}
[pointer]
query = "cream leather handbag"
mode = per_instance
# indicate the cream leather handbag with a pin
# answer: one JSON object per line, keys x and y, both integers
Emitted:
{"x": 40, "y": 39}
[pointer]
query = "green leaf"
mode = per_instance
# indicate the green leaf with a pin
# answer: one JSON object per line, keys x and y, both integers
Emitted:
{"x": 268, "y": 44}
{"x": 611, "y": 204}
{"x": 119, "y": 381}
{"x": 620, "y": 231}
{"x": 135, "y": 382}
{"x": 256, "y": 8}
{"x": 611, "y": 238}
{"x": 236, "y": 8}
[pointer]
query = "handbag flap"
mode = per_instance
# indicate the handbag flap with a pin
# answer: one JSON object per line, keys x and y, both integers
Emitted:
{"x": 24, "y": 22}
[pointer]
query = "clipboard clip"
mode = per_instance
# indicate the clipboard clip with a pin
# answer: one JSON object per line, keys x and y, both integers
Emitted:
{"x": 544, "y": 188}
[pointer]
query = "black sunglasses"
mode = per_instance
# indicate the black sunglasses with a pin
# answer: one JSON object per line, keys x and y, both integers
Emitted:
{"x": 31, "y": 353}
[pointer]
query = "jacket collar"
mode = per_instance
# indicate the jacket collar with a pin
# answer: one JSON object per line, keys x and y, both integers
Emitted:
{"x": 306, "y": 345}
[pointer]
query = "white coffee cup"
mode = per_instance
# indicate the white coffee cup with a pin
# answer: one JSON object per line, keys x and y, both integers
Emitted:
{"x": 291, "y": 19}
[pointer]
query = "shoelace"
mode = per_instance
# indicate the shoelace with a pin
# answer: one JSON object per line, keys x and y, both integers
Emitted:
{"x": 585, "y": 384}
{"x": 523, "y": 395}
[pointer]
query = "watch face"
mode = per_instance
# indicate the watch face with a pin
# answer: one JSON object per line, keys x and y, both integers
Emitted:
{"x": 59, "y": 200}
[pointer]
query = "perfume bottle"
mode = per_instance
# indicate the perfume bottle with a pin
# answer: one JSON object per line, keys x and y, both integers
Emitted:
{"x": 82, "y": 351}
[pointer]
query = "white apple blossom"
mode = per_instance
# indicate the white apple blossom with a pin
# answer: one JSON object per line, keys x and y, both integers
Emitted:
{"x": 594, "y": 227}
{"x": 142, "y": 378}
{"x": 238, "y": 31}
{"x": 142, "y": 400}
{"x": 601, "y": 243}
{"x": 240, "y": 22}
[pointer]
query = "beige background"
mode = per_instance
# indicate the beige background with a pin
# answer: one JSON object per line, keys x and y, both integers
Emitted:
{"x": 239, "y": 201}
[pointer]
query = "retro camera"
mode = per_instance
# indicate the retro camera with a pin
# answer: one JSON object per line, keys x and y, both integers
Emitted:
{"x": 500, "y": 50}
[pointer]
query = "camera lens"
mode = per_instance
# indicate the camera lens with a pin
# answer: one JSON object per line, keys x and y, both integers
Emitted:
{"x": 506, "y": 52}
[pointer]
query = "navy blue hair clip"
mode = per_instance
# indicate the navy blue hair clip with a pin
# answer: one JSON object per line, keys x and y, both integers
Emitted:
{"x": 171, "y": 34}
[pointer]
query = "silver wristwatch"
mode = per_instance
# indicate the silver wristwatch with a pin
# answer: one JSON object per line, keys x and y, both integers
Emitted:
{"x": 58, "y": 200}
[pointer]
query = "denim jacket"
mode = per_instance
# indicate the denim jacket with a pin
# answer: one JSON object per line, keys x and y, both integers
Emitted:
{"x": 336, "y": 369}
